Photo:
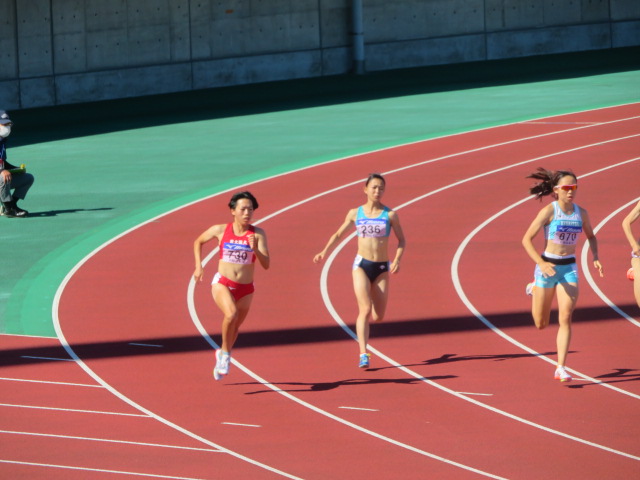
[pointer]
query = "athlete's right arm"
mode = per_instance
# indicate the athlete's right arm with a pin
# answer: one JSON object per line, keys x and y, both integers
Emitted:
{"x": 542, "y": 219}
{"x": 213, "y": 232}
{"x": 350, "y": 218}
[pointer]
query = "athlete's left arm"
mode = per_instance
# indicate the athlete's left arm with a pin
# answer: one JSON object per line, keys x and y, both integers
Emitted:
{"x": 626, "y": 227}
{"x": 591, "y": 238}
{"x": 258, "y": 243}
{"x": 397, "y": 229}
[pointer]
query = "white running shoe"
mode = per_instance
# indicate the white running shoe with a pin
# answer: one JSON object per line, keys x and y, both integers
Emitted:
{"x": 225, "y": 360}
{"x": 222, "y": 364}
{"x": 562, "y": 375}
{"x": 529, "y": 289}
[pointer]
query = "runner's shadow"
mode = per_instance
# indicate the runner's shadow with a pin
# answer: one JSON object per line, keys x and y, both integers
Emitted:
{"x": 55, "y": 213}
{"x": 453, "y": 357}
{"x": 620, "y": 375}
{"x": 326, "y": 386}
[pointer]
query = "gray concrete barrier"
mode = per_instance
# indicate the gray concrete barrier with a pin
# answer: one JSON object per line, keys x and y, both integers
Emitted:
{"x": 55, "y": 52}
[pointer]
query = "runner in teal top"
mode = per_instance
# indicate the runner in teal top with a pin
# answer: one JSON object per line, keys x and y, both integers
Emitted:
{"x": 373, "y": 222}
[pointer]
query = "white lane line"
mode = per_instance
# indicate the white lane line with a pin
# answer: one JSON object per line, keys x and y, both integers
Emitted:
{"x": 62, "y": 339}
{"x": 27, "y": 336}
{"x": 587, "y": 273}
{"x": 29, "y": 357}
{"x": 137, "y": 406}
{"x": 241, "y": 424}
{"x": 62, "y": 286}
{"x": 74, "y": 410}
{"x": 559, "y": 123}
{"x": 491, "y": 326}
{"x": 338, "y": 319}
{"x": 478, "y": 394}
{"x": 361, "y": 408}
{"x": 275, "y": 388}
{"x": 101, "y": 470}
{"x": 204, "y": 333}
{"x": 426, "y": 162}
{"x": 382, "y": 150}
{"x": 106, "y": 440}
{"x": 7, "y": 379}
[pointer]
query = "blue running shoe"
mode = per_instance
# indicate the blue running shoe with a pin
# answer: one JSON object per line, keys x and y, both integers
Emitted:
{"x": 364, "y": 360}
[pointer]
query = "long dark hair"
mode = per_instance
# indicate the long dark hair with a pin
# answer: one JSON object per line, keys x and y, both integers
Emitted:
{"x": 239, "y": 196}
{"x": 547, "y": 180}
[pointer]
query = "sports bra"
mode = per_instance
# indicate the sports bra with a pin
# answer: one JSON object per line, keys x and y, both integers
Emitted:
{"x": 235, "y": 249}
{"x": 373, "y": 227}
{"x": 564, "y": 229}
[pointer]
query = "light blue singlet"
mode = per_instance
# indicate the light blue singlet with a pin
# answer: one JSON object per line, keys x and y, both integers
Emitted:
{"x": 373, "y": 227}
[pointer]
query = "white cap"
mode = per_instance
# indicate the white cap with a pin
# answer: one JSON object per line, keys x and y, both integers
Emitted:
{"x": 4, "y": 118}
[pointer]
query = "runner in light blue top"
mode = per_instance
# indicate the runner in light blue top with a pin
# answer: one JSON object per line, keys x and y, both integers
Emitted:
{"x": 373, "y": 222}
{"x": 379, "y": 226}
{"x": 556, "y": 271}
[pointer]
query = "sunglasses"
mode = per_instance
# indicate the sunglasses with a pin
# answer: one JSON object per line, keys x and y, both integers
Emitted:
{"x": 567, "y": 188}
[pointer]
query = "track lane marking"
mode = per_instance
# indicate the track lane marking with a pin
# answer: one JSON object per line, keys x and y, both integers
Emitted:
{"x": 26, "y": 336}
{"x": 241, "y": 424}
{"x": 106, "y": 440}
{"x": 587, "y": 272}
{"x": 54, "y": 359}
{"x": 324, "y": 413}
{"x": 55, "y": 306}
{"x": 338, "y": 319}
{"x": 101, "y": 470}
{"x": 135, "y": 405}
{"x": 491, "y": 326}
{"x": 7, "y": 379}
{"x": 361, "y": 408}
{"x": 74, "y": 410}
{"x": 332, "y": 256}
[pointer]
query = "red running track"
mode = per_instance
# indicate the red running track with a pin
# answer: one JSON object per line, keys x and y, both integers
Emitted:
{"x": 461, "y": 382}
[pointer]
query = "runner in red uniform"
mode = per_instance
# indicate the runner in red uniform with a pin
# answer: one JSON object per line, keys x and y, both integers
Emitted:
{"x": 232, "y": 288}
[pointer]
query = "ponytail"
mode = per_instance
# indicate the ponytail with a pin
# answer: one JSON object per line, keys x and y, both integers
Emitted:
{"x": 547, "y": 180}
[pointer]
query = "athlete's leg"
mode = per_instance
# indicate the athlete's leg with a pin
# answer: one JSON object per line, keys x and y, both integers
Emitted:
{"x": 541, "y": 306}
{"x": 242, "y": 307}
{"x": 567, "y": 298}
{"x": 635, "y": 263}
{"x": 362, "y": 288}
{"x": 233, "y": 313}
{"x": 379, "y": 297}
{"x": 227, "y": 305}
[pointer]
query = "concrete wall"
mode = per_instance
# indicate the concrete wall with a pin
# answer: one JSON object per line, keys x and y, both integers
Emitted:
{"x": 56, "y": 52}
